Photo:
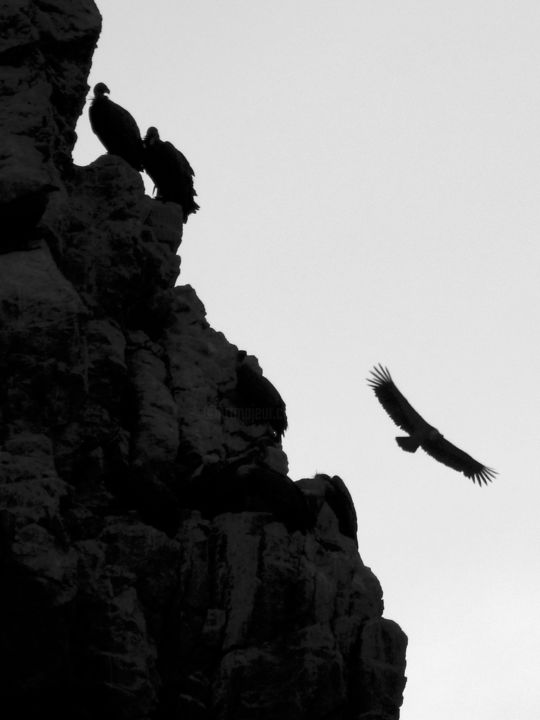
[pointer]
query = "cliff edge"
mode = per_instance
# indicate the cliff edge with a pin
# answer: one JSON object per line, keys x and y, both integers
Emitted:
{"x": 156, "y": 560}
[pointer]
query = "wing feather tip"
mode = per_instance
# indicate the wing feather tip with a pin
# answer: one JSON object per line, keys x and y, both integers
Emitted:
{"x": 379, "y": 376}
{"x": 484, "y": 475}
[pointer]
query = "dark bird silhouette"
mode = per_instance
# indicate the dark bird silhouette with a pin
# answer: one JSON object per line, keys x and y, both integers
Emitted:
{"x": 257, "y": 394}
{"x": 322, "y": 489}
{"x": 421, "y": 433}
{"x": 248, "y": 485}
{"x": 170, "y": 171}
{"x": 116, "y": 128}
{"x": 339, "y": 498}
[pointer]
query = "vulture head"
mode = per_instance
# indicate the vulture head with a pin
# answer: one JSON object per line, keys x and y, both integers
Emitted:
{"x": 100, "y": 90}
{"x": 151, "y": 137}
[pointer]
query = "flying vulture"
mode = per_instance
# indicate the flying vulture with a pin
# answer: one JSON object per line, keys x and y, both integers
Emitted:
{"x": 421, "y": 433}
{"x": 170, "y": 171}
{"x": 257, "y": 394}
{"x": 116, "y": 128}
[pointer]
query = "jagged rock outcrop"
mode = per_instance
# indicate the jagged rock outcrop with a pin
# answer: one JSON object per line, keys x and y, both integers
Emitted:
{"x": 155, "y": 559}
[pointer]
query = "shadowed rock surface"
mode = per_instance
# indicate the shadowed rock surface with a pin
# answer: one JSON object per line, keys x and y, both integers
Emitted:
{"x": 156, "y": 561}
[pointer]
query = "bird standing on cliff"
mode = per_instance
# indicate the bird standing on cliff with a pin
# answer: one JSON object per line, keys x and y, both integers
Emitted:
{"x": 171, "y": 172}
{"x": 116, "y": 128}
{"x": 258, "y": 396}
{"x": 421, "y": 433}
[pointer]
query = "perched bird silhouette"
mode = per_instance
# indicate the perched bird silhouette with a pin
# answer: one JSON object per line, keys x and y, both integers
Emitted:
{"x": 322, "y": 489}
{"x": 170, "y": 171}
{"x": 116, "y": 128}
{"x": 421, "y": 433}
{"x": 257, "y": 394}
{"x": 248, "y": 485}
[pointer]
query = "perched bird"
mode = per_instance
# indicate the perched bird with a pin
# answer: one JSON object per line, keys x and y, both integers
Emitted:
{"x": 322, "y": 489}
{"x": 339, "y": 498}
{"x": 248, "y": 485}
{"x": 421, "y": 433}
{"x": 170, "y": 171}
{"x": 259, "y": 396}
{"x": 116, "y": 128}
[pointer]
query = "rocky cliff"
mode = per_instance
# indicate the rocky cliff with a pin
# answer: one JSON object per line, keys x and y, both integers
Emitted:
{"x": 155, "y": 559}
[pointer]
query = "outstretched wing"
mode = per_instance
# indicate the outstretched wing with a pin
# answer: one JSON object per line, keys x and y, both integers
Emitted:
{"x": 448, "y": 454}
{"x": 395, "y": 404}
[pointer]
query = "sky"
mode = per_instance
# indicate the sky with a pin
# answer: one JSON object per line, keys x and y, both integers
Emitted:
{"x": 369, "y": 181}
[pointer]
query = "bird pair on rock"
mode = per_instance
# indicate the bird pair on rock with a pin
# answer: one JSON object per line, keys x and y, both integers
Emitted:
{"x": 168, "y": 167}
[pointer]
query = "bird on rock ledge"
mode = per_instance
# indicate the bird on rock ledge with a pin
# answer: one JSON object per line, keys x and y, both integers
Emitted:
{"x": 116, "y": 128}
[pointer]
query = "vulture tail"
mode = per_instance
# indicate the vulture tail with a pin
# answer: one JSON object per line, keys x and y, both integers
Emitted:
{"x": 407, "y": 443}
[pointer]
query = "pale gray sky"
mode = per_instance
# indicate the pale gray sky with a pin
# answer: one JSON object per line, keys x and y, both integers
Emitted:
{"x": 369, "y": 182}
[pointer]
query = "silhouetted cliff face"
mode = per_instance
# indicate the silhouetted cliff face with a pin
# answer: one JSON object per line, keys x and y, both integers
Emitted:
{"x": 156, "y": 561}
